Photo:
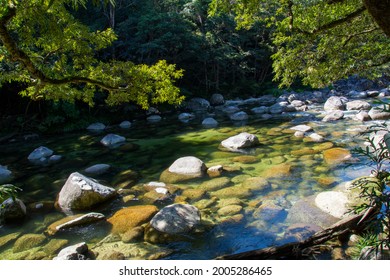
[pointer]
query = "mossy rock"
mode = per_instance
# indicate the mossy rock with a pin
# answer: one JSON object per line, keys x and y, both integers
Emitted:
{"x": 229, "y": 201}
{"x": 154, "y": 236}
{"x": 131, "y": 217}
{"x": 245, "y": 159}
{"x": 28, "y": 241}
{"x": 173, "y": 178}
{"x": 193, "y": 194}
{"x": 229, "y": 192}
{"x": 323, "y": 146}
{"x": 232, "y": 219}
{"x": 229, "y": 210}
{"x": 240, "y": 178}
{"x": 326, "y": 181}
{"x": 277, "y": 171}
{"x": 215, "y": 184}
{"x": 126, "y": 179}
{"x": 255, "y": 183}
{"x": 54, "y": 246}
{"x": 304, "y": 151}
{"x": 7, "y": 239}
{"x": 205, "y": 203}
{"x": 133, "y": 235}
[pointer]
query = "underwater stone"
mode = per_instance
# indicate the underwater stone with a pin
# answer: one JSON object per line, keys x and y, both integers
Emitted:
{"x": 239, "y": 116}
{"x": 131, "y": 217}
{"x": 72, "y": 221}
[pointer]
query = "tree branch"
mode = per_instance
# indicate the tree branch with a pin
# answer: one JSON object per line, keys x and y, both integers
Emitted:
{"x": 350, "y": 37}
{"x": 335, "y": 23}
{"x": 20, "y": 56}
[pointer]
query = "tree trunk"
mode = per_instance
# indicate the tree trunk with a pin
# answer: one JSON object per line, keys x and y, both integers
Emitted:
{"x": 306, "y": 248}
{"x": 380, "y": 11}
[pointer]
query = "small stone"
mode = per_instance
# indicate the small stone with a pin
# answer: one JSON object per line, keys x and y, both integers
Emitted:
{"x": 153, "y": 118}
{"x": 333, "y": 116}
{"x": 125, "y": 125}
{"x": 96, "y": 127}
{"x": 239, "y": 116}
{"x": 229, "y": 210}
{"x": 209, "y": 122}
{"x": 98, "y": 169}
{"x": 112, "y": 139}
{"x": 302, "y": 128}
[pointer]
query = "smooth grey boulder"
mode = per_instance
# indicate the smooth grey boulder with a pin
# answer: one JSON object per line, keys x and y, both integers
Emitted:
{"x": 81, "y": 193}
{"x": 176, "y": 219}
{"x": 188, "y": 166}
{"x": 239, "y": 116}
{"x": 96, "y": 127}
{"x": 335, "y": 103}
{"x": 153, "y": 118}
{"x": 98, "y": 169}
{"x": 185, "y": 117}
{"x": 378, "y": 113}
{"x": 112, "y": 139}
{"x": 5, "y": 174}
{"x": 40, "y": 154}
{"x": 240, "y": 141}
{"x": 358, "y": 105}
{"x": 217, "y": 99}
{"x": 198, "y": 104}
{"x": 125, "y": 124}
{"x": 333, "y": 116}
{"x": 210, "y": 122}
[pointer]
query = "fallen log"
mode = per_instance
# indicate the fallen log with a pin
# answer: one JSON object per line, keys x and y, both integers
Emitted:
{"x": 303, "y": 249}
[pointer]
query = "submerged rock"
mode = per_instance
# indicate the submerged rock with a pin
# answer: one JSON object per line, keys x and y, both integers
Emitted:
{"x": 239, "y": 116}
{"x": 333, "y": 116}
{"x": 73, "y": 221}
{"x": 28, "y": 241}
{"x": 334, "y": 203}
{"x": 153, "y": 118}
{"x": 336, "y": 155}
{"x": 131, "y": 217}
{"x": 176, "y": 219}
{"x": 81, "y": 193}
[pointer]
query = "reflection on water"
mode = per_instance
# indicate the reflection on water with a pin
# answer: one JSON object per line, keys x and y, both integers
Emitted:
{"x": 294, "y": 168}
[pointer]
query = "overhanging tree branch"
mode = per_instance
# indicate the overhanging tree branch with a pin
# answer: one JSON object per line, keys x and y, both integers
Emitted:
{"x": 19, "y": 55}
{"x": 335, "y": 23}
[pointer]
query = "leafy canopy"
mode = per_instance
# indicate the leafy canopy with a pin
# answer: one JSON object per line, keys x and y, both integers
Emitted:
{"x": 44, "y": 47}
{"x": 316, "y": 41}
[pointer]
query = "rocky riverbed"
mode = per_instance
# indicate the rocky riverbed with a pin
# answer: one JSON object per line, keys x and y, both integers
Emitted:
{"x": 219, "y": 177}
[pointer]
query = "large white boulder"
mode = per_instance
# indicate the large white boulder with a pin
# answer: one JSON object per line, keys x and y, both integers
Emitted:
{"x": 240, "y": 141}
{"x": 81, "y": 193}
{"x": 188, "y": 166}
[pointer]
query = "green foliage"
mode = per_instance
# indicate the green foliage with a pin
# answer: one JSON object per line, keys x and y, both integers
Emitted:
{"x": 8, "y": 191}
{"x": 316, "y": 41}
{"x": 62, "y": 64}
{"x": 375, "y": 190}
{"x": 366, "y": 240}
